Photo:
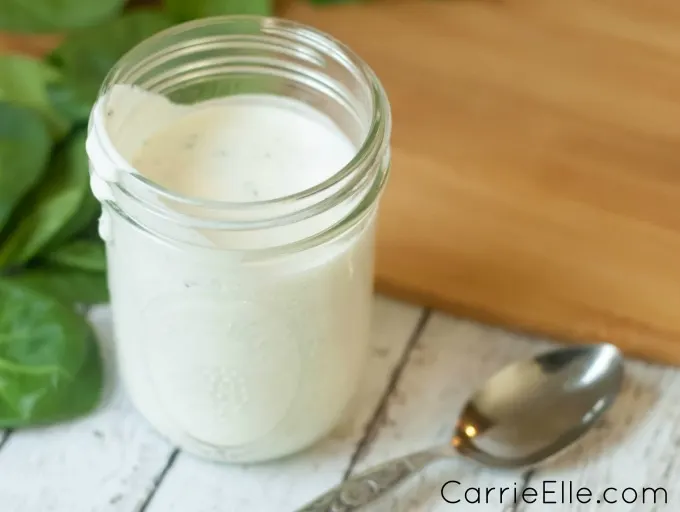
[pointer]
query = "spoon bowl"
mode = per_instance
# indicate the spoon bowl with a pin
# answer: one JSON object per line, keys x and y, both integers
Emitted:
{"x": 533, "y": 409}
{"x": 524, "y": 414}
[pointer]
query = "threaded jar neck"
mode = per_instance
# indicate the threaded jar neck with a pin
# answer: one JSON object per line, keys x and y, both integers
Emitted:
{"x": 214, "y": 58}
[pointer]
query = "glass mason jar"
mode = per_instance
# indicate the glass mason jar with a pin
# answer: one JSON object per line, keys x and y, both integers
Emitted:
{"x": 242, "y": 328}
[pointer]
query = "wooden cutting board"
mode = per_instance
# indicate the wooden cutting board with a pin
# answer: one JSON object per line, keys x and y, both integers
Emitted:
{"x": 536, "y": 177}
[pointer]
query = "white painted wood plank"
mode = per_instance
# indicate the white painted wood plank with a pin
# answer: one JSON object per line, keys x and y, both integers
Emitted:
{"x": 196, "y": 486}
{"x": 451, "y": 359}
{"x": 635, "y": 446}
{"x": 105, "y": 462}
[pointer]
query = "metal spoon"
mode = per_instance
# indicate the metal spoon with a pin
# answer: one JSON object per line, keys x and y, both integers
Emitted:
{"x": 527, "y": 412}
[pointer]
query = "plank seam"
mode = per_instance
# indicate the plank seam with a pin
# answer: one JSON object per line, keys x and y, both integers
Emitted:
{"x": 374, "y": 424}
{"x": 159, "y": 480}
{"x": 5, "y": 438}
{"x": 526, "y": 479}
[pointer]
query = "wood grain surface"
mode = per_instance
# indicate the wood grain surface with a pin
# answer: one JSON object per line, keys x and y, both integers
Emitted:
{"x": 536, "y": 177}
{"x": 423, "y": 366}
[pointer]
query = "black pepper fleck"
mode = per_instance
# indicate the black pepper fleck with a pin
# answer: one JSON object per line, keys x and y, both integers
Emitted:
{"x": 191, "y": 141}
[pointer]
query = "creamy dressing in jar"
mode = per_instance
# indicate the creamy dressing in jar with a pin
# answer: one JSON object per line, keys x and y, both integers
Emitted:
{"x": 241, "y": 332}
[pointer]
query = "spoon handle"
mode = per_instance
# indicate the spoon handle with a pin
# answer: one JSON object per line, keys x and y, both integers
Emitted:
{"x": 367, "y": 487}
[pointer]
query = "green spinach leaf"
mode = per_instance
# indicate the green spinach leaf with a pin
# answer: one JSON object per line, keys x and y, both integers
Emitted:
{"x": 183, "y": 10}
{"x": 87, "y": 255}
{"x": 86, "y": 56}
{"x": 85, "y": 218}
{"x": 55, "y": 15}
{"x": 66, "y": 102}
{"x": 25, "y": 81}
{"x": 48, "y": 208}
{"x": 25, "y": 146}
{"x": 50, "y": 369}
{"x": 80, "y": 224}
{"x": 68, "y": 285}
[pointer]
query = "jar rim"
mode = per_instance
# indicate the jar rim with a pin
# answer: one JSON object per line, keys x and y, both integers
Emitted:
{"x": 374, "y": 140}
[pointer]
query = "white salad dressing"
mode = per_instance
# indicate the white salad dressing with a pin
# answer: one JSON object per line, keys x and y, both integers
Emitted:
{"x": 231, "y": 359}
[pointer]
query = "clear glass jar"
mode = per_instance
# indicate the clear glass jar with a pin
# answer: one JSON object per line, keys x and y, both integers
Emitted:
{"x": 242, "y": 328}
